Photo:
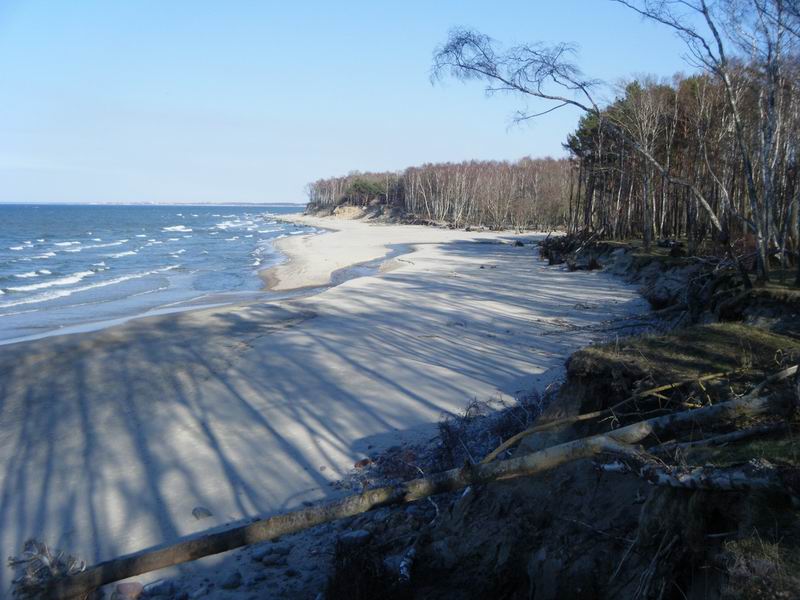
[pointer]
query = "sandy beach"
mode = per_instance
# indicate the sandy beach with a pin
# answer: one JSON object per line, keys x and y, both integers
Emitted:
{"x": 110, "y": 439}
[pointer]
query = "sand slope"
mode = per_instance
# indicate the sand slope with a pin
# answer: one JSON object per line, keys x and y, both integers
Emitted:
{"x": 108, "y": 440}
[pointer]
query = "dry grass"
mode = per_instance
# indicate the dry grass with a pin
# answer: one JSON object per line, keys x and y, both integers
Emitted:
{"x": 692, "y": 352}
{"x": 758, "y": 569}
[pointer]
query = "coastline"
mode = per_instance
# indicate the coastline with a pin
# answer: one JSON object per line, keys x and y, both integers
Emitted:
{"x": 257, "y": 407}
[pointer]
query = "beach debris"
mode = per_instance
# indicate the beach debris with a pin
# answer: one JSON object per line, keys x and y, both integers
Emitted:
{"x": 355, "y": 538}
{"x": 364, "y": 462}
{"x": 37, "y": 566}
{"x": 128, "y": 590}
{"x": 233, "y": 581}
{"x": 201, "y": 512}
{"x": 274, "y": 560}
{"x": 407, "y": 563}
{"x": 160, "y": 588}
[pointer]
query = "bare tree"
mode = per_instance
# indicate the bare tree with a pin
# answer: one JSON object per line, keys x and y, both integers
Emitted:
{"x": 715, "y": 33}
{"x": 543, "y": 72}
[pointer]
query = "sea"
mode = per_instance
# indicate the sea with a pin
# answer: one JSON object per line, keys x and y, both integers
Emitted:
{"x": 71, "y": 268}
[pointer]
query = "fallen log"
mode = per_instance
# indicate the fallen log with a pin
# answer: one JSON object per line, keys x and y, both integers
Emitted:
{"x": 617, "y": 442}
{"x": 599, "y": 414}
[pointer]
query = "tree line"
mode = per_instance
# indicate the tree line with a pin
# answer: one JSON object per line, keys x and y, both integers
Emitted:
{"x": 526, "y": 194}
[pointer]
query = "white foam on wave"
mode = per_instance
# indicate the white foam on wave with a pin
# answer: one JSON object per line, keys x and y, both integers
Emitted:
{"x": 54, "y": 294}
{"x": 176, "y": 228}
{"x": 122, "y": 254}
{"x": 68, "y": 280}
{"x": 45, "y": 272}
{"x": 141, "y": 235}
{"x": 66, "y": 243}
{"x": 45, "y": 255}
{"x": 179, "y": 252}
{"x": 107, "y": 245}
{"x": 27, "y": 275}
{"x": 234, "y": 224}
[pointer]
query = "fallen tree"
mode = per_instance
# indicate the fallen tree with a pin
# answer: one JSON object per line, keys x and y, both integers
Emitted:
{"x": 617, "y": 443}
{"x": 608, "y": 412}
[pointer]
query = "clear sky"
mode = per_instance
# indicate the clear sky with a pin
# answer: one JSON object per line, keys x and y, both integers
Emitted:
{"x": 247, "y": 101}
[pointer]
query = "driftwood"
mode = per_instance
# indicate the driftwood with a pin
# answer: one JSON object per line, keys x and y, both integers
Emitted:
{"x": 617, "y": 442}
{"x": 599, "y": 414}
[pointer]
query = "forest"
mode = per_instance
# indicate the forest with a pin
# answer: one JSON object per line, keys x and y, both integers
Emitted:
{"x": 709, "y": 157}
{"x": 526, "y": 194}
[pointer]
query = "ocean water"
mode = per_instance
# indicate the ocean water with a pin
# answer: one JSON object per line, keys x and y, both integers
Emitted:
{"x": 75, "y": 267}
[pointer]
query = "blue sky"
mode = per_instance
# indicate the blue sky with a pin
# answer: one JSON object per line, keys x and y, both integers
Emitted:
{"x": 247, "y": 101}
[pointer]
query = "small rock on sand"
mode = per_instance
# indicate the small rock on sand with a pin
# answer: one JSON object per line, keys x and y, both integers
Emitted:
{"x": 355, "y": 538}
{"x": 130, "y": 590}
{"x": 161, "y": 588}
{"x": 233, "y": 581}
{"x": 273, "y": 560}
{"x": 201, "y": 512}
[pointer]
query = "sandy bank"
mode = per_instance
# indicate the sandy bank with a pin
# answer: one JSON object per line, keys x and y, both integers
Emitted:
{"x": 110, "y": 439}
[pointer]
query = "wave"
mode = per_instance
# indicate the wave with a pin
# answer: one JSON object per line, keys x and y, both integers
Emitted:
{"x": 52, "y": 295}
{"x": 68, "y": 280}
{"x": 27, "y": 275}
{"x": 66, "y": 243}
{"x": 176, "y": 228}
{"x": 16, "y": 247}
{"x": 235, "y": 224}
{"x": 108, "y": 245}
{"x": 121, "y": 254}
{"x": 45, "y": 255}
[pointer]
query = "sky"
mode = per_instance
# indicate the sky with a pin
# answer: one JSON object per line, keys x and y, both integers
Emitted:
{"x": 249, "y": 100}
